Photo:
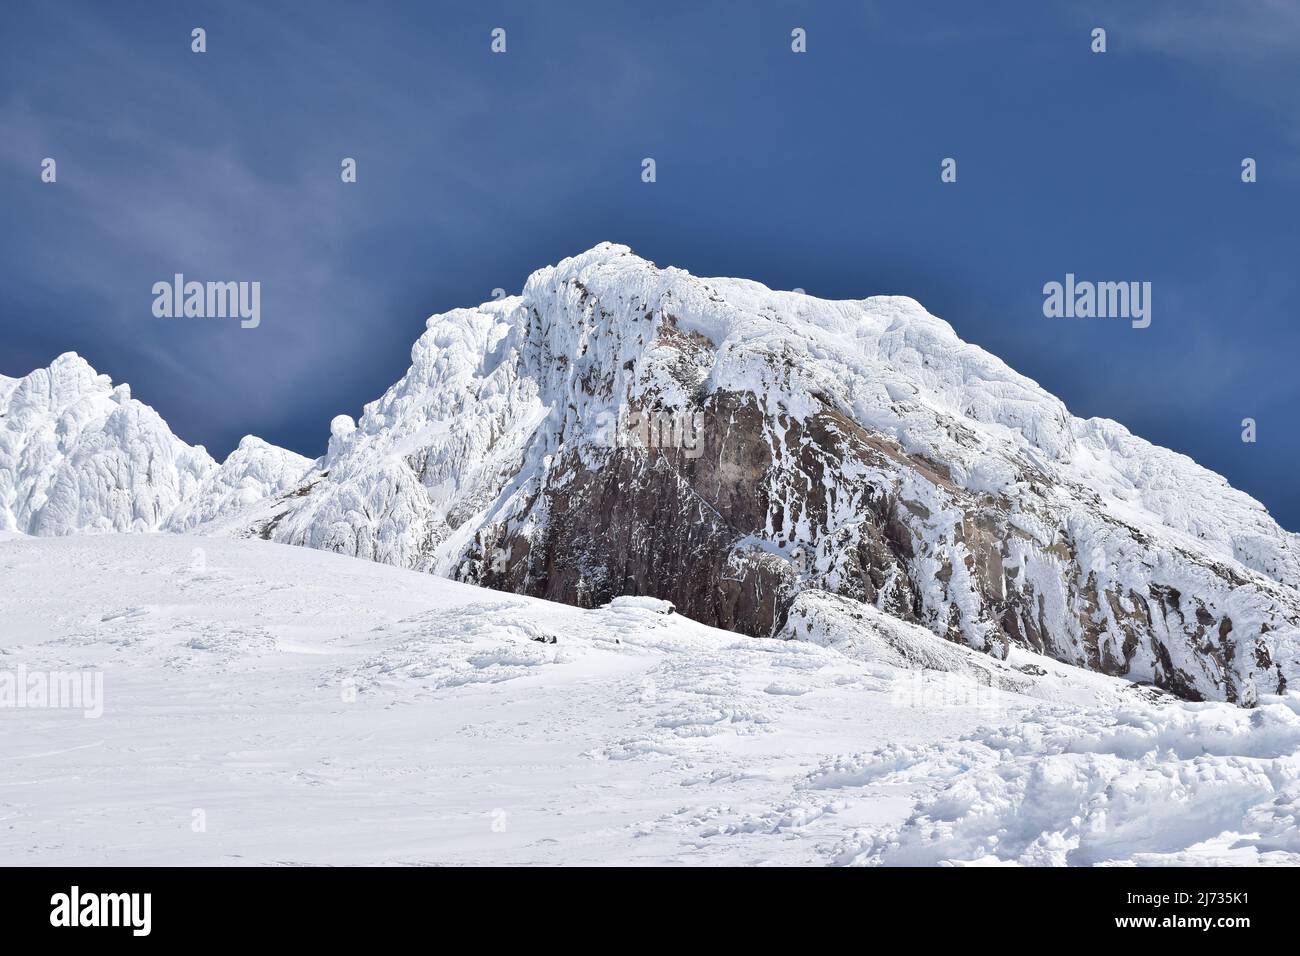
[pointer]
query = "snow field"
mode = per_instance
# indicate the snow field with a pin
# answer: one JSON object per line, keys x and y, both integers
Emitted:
{"x": 305, "y": 707}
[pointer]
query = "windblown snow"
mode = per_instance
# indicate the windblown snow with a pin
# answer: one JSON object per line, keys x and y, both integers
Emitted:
{"x": 263, "y": 704}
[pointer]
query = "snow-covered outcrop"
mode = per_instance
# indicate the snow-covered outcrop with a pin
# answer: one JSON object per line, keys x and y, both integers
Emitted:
{"x": 864, "y": 632}
{"x": 251, "y": 474}
{"x": 859, "y": 448}
{"x": 77, "y": 454}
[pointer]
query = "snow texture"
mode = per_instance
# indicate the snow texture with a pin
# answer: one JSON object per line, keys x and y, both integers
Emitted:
{"x": 77, "y": 454}
{"x": 307, "y": 708}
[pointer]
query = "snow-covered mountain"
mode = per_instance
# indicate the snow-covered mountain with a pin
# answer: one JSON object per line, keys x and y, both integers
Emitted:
{"x": 253, "y": 473}
{"x": 859, "y": 448}
{"x": 78, "y": 455}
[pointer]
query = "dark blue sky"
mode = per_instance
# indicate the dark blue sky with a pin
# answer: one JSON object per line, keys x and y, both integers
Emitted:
{"x": 818, "y": 171}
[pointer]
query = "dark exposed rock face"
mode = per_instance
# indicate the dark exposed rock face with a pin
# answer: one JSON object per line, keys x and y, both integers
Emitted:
{"x": 659, "y": 523}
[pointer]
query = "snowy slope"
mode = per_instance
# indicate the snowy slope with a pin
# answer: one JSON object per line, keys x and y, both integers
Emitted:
{"x": 264, "y": 704}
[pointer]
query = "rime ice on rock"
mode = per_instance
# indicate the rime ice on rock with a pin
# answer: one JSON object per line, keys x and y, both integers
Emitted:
{"x": 79, "y": 455}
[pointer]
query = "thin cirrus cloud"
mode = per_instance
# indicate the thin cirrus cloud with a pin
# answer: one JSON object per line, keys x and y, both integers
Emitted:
{"x": 134, "y": 208}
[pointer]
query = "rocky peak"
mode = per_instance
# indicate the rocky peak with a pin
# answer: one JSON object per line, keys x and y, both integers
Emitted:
{"x": 624, "y": 429}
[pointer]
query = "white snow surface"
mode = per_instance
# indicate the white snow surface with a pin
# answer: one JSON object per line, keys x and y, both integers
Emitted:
{"x": 305, "y": 707}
